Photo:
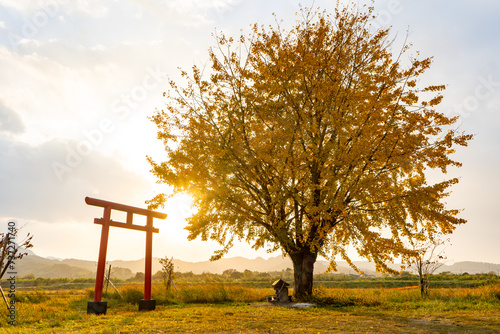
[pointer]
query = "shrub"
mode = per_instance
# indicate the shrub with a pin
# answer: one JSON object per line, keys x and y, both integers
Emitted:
{"x": 344, "y": 297}
{"x": 131, "y": 293}
{"x": 33, "y": 297}
{"x": 209, "y": 293}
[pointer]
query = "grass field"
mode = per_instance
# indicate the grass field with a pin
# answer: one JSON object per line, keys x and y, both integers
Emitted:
{"x": 236, "y": 309}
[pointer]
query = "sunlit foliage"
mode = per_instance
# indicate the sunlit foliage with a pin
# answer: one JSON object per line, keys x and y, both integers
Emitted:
{"x": 310, "y": 140}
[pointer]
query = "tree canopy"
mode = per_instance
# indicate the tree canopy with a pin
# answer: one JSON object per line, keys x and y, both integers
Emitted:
{"x": 310, "y": 140}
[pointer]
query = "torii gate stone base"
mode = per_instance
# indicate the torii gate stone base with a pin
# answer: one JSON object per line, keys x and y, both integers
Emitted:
{"x": 97, "y": 306}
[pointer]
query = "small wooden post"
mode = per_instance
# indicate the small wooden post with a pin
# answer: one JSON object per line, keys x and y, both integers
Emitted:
{"x": 5, "y": 299}
{"x": 107, "y": 280}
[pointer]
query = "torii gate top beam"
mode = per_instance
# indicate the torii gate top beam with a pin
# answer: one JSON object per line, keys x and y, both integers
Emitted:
{"x": 126, "y": 208}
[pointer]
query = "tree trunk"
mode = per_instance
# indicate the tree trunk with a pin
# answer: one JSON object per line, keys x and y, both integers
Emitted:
{"x": 423, "y": 279}
{"x": 303, "y": 268}
{"x": 422, "y": 286}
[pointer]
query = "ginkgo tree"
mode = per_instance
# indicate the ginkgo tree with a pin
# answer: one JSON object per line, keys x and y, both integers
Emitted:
{"x": 309, "y": 141}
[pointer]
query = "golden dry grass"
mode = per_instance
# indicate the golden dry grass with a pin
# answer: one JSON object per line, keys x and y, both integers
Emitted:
{"x": 343, "y": 311}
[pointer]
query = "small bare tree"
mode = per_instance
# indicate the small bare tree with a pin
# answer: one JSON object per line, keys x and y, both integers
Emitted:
{"x": 167, "y": 271}
{"x": 9, "y": 249}
{"x": 429, "y": 257}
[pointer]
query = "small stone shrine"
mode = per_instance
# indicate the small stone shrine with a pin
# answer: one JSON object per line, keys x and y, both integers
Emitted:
{"x": 281, "y": 296}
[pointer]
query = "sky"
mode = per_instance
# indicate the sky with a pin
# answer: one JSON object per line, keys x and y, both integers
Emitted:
{"x": 78, "y": 80}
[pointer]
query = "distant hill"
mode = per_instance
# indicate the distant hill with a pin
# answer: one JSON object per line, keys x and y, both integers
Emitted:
{"x": 70, "y": 268}
{"x": 74, "y": 268}
{"x": 62, "y": 270}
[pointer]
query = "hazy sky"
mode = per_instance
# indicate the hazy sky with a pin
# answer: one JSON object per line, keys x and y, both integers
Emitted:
{"x": 79, "y": 78}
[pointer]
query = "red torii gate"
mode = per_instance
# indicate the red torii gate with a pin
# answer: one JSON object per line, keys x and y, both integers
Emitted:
{"x": 98, "y": 306}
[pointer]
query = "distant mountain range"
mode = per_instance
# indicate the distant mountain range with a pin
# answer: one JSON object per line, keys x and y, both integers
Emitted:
{"x": 73, "y": 268}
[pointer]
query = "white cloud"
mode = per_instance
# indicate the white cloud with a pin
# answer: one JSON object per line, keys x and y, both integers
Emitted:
{"x": 31, "y": 188}
{"x": 10, "y": 121}
{"x": 192, "y": 13}
{"x": 18, "y": 5}
{"x": 93, "y": 8}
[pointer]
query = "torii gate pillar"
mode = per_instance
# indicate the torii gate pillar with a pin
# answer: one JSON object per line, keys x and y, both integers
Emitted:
{"x": 97, "y": 306}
